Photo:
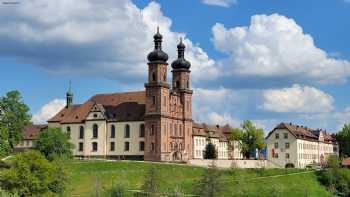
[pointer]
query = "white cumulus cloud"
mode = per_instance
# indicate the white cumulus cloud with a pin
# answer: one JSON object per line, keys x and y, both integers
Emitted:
{"x": 48, "y": 111}
{"x": 276, "y": 46}
{"x": 222, "y": 3}
{"x": 109, "y": 39}
{"x": 298, "y": 99}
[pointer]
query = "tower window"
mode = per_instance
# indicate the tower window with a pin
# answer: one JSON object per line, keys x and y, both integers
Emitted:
{"x": 81, "y": 132}
{"x": 188, "y": 84}
{"x": 153, "y": 100}
{"x": 112, "y": 131}
{"x": 127, "y": 131}
{"x": 95, "y": 131}
{"x": 152, "y": 129}
{"x": 153, "y": 76}
{"x": 152, "y": 147}
{"x": 177, "y": 85}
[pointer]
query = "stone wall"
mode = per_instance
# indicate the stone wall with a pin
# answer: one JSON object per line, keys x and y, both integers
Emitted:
{"x": 233, "y": 163}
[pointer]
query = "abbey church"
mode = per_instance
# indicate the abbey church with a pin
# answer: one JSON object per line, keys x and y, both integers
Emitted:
{"x": 155, "y": 124}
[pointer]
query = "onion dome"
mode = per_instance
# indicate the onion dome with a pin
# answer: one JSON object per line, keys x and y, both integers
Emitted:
{"x": 181, "y": 62}
{"x": 157, "y": 55}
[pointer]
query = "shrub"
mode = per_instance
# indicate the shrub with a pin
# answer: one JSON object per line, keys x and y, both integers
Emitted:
{"x": 151, "y": 183}
{"x": 210, "y": 151}
{"x": 209, "y": 185}
{"x": 290, "y": 165}
{"x": 31, "y": 174}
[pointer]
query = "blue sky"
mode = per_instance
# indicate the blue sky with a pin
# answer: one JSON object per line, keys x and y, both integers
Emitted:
{"x": 269, "y": 61}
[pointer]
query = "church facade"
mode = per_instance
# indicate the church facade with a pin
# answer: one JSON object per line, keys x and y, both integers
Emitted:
{"x": 155, "y": 124}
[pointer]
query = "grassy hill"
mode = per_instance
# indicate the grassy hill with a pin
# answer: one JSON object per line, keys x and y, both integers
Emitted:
{"x": 86, "y": 176}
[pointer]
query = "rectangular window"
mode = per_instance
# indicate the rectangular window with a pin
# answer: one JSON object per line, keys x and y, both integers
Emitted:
{"x": 285, "y": 135}
{"x": 142, "y": 146}
{"x": 276, "y": 155}
{"x": 287, "y": 155}
{"x": 152, "y": 147}
{"x": 112, "y": 146}
{"x": 287, "y": 145}
{"x": 152, "y": 130}
{"x": 153, "y": 100}
{"x": 94, "y": 146}
{"x": 126, "y": 146}
{"x": 277, "y": 135}
{"x": 81, "y": 146}
{"x": 276, "y": 144}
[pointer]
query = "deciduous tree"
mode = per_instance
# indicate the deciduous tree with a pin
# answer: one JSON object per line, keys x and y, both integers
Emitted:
{"x": 343, "y": 138}
{"x": 14, "y": 116}
{"x": 53, "y": 143}
{"x": 249, "y": 137}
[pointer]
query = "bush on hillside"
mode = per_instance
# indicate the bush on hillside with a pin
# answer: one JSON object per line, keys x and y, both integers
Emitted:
{"x": 31, "y": 174}
{"x": 336, "y": 179}
{"x": 209, "y": 185}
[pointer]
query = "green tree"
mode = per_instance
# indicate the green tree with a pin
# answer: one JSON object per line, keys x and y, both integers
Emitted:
{"x": 343, "y": 138}
{"x": 151, "y": 183}
{"x": 209, "y": 185}
{"x": 14, "y": 116}
{"x": 4, "y": 143}
{"x": 210, "y": 151}
{"x": 31, "y": 174}
{"x": 53, "y": 143}
{"x": 249, "y": 137}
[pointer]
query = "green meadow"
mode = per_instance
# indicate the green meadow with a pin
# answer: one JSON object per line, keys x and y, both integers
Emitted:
{"x": 87, "y": 176}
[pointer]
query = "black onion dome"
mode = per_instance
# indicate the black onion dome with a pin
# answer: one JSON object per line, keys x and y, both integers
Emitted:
{"x": 157, "y": 55}
{"x": 181, "y": 62}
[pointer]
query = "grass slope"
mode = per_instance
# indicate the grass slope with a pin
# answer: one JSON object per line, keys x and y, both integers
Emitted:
{"x": 87, "y": 175}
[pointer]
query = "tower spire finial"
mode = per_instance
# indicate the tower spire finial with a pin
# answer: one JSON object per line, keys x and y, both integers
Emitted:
{"x": 69, "y": 95}
{"x": 157, "y": 54}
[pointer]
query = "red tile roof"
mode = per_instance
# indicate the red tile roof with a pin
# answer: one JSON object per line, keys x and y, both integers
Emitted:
{"x": 305, "y": 133}
{"x": 119, "y": 106}
{"x": 31, "y": 132}
{"x": 346, "y": 162}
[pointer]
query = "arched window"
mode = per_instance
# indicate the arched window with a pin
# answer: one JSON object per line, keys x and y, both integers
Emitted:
{"x": 180, "y": 146}
{"x": 164, "y": 77}
{"x": 127, "y": 131}
{"x": 68, "y": 132}
{"x": 177, "y": 84}
{"x": 81, "y": 132}
{"x": 94, "y": 146}
{"x": 95, "y": 131}
{"x": 153, "y": 130}
{"x": 153, "y": 76}
{"x": 188, "y": 84}
{"x": 142, "y": 130}
{"x": 112, "y": 131}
